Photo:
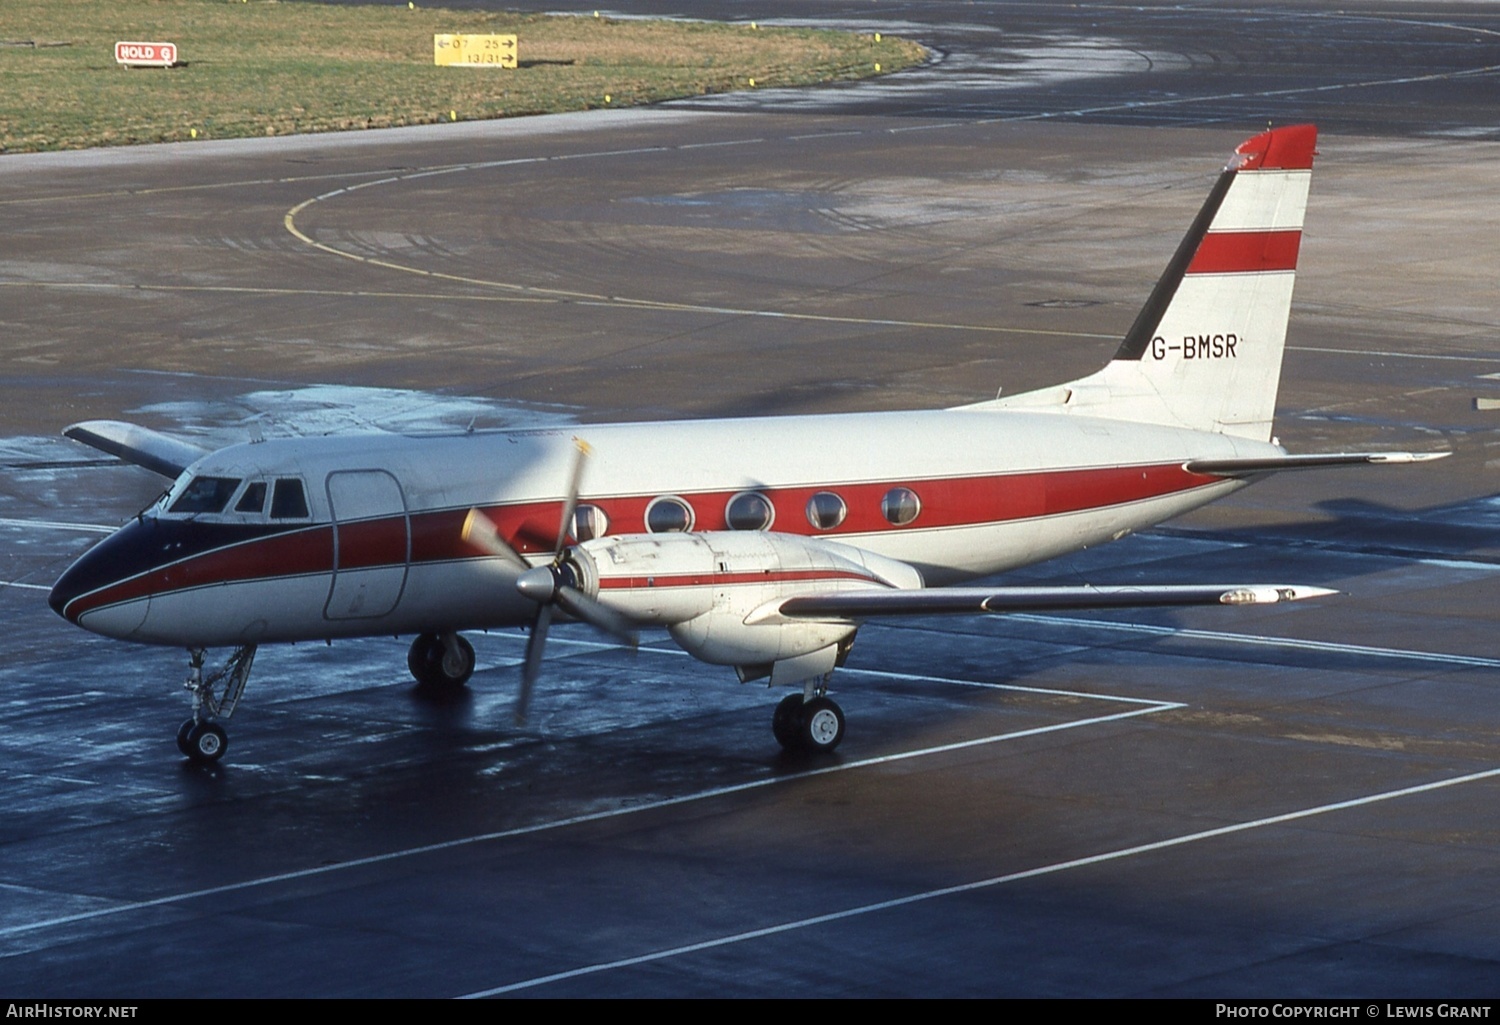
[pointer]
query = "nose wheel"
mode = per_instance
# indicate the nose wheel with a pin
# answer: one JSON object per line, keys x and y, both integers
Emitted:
{"x": 215, "y": 696}
{"x": 202, "y": 742}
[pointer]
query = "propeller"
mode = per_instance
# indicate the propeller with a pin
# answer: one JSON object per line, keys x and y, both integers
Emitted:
{"x": 554, "y": 585}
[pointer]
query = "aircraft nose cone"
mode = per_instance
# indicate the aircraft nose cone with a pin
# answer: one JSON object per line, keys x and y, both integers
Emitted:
{"x": 87, "y": 574}
{"x": 538, "y": 584}
{"x": 62, "y": 592}
{"x": 123, "y": 554}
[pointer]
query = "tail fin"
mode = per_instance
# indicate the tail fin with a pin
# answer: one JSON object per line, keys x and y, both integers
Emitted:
{"x": 1205, "y": 351}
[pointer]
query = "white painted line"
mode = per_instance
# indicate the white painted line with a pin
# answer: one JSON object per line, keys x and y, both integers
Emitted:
{"x": 29, "y": 587}
{"x": 542, "y": 827}
{"x": 948, "y": 891}
{"x": 725, "y": 142}
{"x": 846, "y": 670}
{"x": 93, "y": 528}
{"x": 823, "y": 135}
{"x": 1156, "y": 705}
{"x": 634, "y": 152}
{"x": 1386, "y": 354}
{"x": 1131, "y": 105}
{"x": 1255, "y": 640}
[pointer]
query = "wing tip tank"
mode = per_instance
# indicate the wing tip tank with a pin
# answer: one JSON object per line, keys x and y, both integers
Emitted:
{"x": 1273, "y": 594}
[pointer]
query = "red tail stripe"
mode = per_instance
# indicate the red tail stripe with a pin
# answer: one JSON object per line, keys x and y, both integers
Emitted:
{"x": 1281, "y": 149}
{"x": 1242, "y": 252}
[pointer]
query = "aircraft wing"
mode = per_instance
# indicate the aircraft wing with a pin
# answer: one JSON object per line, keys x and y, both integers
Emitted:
{"x": 139, "y": 445}
{"x": 938, "y": 600}
{"x": 1315, "y": 461}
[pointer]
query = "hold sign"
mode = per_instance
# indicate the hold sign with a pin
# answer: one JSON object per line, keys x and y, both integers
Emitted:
{"x": 146, "y": 55}
{"x": 474, "y": 51}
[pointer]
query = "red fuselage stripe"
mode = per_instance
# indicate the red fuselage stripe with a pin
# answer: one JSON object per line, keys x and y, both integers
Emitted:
{"x": 531, "y": 527}
{"x": 726, "y": 579}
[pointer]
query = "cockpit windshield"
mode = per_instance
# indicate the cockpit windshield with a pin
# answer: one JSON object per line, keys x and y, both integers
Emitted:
{"x": 205, "y": 495}
{"x": 288, "y": 500}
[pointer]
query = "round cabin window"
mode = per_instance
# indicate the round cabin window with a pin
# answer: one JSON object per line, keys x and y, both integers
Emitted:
{"x": 669, "y": 515}
{"x": 900, "y": 506}
{"x": 589, "y": 522}
{"x": 825, "y": 510}
{"x": 749, "y": 510}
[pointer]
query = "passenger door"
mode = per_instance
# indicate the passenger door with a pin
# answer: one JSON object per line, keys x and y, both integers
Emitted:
{"x": 371, "y": 544}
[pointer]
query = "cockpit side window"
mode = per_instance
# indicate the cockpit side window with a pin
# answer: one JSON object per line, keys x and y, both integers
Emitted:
{"x": 288, "y": 500}
{"x": 253, "y": 500}
{"x": 205, "y": 495}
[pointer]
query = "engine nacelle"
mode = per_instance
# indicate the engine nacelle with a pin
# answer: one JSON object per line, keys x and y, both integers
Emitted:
{"x": 703, "y": 587}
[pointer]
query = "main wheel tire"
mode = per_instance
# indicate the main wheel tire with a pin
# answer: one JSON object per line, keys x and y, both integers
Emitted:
{"x": 206, "y": 742}
{"x": 182, "y": 736}
{"x": 432, "y": 665}
{"x": 822, "y": 726}
{"x": 786, "y": 722}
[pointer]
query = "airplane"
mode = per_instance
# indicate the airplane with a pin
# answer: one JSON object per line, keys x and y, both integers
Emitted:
{"x": 760, "y": 544}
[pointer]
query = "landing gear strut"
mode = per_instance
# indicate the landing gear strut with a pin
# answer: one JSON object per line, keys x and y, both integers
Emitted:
{"x": 441, "y": 661}
{"x": 809, "y": 723}
{"x": 201, "y": 738}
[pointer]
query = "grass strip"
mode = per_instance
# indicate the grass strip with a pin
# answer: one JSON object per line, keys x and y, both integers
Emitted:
{"x": 259, "y": 67}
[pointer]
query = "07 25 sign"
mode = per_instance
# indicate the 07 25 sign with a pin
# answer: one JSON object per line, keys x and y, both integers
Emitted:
{"x": 474, "y": 51}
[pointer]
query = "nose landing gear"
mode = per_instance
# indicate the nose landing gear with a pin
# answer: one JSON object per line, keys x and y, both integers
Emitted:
{"x": 203, "y": 742}
{"x": 201, "y": 738}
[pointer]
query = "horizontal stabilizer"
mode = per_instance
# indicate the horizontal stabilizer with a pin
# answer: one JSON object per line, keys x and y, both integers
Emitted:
{"x": 1316, "y": 461}
{"x": 139, "y": 445}
{"x": 939, "y": 600}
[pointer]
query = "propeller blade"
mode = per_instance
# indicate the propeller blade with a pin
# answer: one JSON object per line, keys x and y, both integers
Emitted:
{"x": 580, "y": 606}
{"x": 480, "y": 531}
{"x": 533, "y": 666}
{"x": 543, "y": 585}
{"x": 570, "y": 506}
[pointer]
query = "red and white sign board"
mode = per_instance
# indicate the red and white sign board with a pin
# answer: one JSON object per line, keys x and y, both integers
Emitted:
{"x": 146, "y": 55}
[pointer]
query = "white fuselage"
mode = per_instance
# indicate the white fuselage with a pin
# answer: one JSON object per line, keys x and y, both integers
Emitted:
{"x": 378, "y": 550}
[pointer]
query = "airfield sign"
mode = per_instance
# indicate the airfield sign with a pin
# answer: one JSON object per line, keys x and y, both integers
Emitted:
{"x": 474, "y": 51}
{"x": 146, "y": 55}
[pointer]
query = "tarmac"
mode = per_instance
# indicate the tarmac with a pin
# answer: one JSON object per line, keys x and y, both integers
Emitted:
{"x": 1213, "y": 803}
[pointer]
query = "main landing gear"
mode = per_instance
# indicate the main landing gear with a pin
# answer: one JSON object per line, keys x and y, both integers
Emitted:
{"x": 810, "y": 722}
{"x": 201, "y": 738}
{"x": 441, "y": 661}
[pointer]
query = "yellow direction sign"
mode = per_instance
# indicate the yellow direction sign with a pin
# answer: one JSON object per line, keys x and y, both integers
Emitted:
{"x": 474, "y": 50}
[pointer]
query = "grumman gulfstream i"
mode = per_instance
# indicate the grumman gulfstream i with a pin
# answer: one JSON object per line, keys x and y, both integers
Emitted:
{"x": 758, "y": 544}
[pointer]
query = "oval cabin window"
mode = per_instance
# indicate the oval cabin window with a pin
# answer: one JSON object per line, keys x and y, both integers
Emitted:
{"x": 825, "y": 510}
{"x": 900, "y": 506}
{"x": 669, "y": 515}
{"x": 589, "y": 522}
{"x": 749, "y": 510}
